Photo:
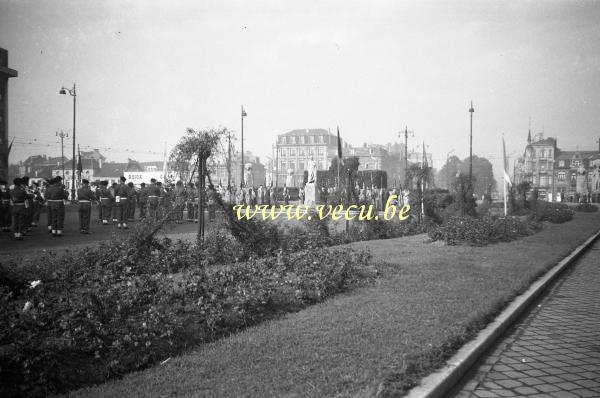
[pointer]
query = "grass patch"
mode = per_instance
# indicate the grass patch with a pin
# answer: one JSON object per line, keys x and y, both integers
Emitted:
{"x": 429, "y": 300}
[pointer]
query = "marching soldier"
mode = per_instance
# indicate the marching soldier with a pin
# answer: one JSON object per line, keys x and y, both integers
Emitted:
{"x": 143, "y": 200}
{"x": 18, "y": 197}
{"x": 4, "y": 207}
{"x": 47, "y": 184}
{"x": 106, "y": 199}
{"x": 38, "y": 202}
{"x": 86, "y": 197}
{"x": 56, "y": 195}
{"x": 122, "y": 201}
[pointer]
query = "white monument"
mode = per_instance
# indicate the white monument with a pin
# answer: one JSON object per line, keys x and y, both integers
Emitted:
{"x": 310, "y": 190}
{"x": 248, "y": 177}
{"x": 289, "y": 179}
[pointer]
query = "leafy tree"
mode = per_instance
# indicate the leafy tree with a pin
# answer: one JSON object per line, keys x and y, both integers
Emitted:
{"x": 448, "y": 172}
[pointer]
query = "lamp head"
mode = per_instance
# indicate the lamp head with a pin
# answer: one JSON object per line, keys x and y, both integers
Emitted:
{"x": 62, "y": 91}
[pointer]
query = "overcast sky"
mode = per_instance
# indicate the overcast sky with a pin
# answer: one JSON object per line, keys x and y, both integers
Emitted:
{"x": 147, "y": 70}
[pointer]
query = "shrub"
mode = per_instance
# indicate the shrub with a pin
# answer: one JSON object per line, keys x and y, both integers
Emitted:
{"x": 482, "y": 231}
{"x": 586, "y": 208}
{"x": 92, "y": 318}
{"x": 552, "y": 212}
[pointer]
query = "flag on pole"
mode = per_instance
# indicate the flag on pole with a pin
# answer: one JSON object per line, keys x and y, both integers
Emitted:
{"x": 339, "y": 142}
{"x": 165, "y": 165}
{"x": 424, "y": 163}
{"x": 339, "y": 155}
{"x": 10, "y": 146}
{"x": 505, "y": 164}
{"x": 244, "y": 114}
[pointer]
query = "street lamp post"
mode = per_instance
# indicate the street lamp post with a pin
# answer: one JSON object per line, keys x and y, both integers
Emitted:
{"x": 471, "y": 110}
{"x": 73, "y": 94}
{"x": 62, "y": 136}
{"x": 406, "y": 132}
{"x": 243, "y": 115}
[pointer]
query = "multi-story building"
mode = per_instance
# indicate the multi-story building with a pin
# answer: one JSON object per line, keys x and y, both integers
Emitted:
{"x": 558, "y": 175}
{"x": 295, "y": 149}
{"x": 370, "y": 156}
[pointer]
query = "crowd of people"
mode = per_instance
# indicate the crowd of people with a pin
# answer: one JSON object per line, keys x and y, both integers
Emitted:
{"x": 22, "y": 202}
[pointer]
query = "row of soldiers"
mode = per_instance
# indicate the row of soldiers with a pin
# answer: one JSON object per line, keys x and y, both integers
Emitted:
{"x": 21, "y": 204}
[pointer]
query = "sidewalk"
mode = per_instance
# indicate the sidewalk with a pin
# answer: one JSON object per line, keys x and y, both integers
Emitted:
{"x": 554, "y": 351}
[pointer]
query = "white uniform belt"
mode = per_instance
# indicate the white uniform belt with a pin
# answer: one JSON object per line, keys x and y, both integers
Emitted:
{"x": 84, "y": 201}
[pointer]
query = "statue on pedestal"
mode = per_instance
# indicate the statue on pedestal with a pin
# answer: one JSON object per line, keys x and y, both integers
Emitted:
{"x": 596, "y": 178}
{"x": 310, "y": 190}
{"x": 289, "y": 179}
{"x": 248, "y": 177}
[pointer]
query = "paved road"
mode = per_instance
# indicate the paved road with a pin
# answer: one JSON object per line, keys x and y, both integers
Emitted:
{"x": 39, "y": 238}
{"x": 554, "y": 350}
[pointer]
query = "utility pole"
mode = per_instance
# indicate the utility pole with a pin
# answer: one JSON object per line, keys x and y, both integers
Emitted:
{"x": 62, "y": 136}
{"x": 471, "y": 110}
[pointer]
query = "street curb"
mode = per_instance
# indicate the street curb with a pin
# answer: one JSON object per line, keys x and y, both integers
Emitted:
{"x": 438, "y": 384}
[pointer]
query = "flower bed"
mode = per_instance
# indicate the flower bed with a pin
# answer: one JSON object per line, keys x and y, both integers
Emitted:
{"x": 88, "y": 320}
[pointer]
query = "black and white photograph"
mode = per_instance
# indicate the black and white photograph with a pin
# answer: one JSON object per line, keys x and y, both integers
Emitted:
{"x": 335, "y": 198}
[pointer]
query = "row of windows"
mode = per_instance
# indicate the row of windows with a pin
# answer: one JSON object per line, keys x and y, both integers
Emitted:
{"x": 304, "y": 139}
{"x": 561, "y": 176}
{"x": 299, "y": 166}
{"x": 311, "y": 151}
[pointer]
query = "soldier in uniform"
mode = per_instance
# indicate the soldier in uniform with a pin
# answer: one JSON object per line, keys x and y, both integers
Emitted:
{"x": 38, "y": 202}
{"x": 18, "y": 197}
{"x": 4, "y": 207}
{"x": 132, "y": 202}
{"x": 115, "y": 205}
{"x": 122, "y": 202}
{"x": 86, "y": 197}
{"x": 56, "y": 195}
{"x": 47, "y": 184}
{"x": 143, "y": 200}
{"x": 154, "y": 195}
{"x": 106, "y": 199}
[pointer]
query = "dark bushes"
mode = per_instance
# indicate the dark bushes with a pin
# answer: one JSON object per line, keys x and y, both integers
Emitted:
{"x": 586, "y": 208}
{"x": 482, "y": 231}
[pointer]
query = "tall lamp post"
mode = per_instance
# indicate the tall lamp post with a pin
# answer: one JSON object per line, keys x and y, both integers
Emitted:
{"x": 471, "y": 110}
{"x": 73, "y": 94}
{"x": 244, "y": 114}
{"x": 406, "y": 132}
{"x": 62, "y": 136}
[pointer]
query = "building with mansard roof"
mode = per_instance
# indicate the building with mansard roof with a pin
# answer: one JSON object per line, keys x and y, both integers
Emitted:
{"x": 559, "y": 175}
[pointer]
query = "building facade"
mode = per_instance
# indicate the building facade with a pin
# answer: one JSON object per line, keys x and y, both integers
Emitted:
{"x": 295, "y": 149}
{"x": 559, "y": 175}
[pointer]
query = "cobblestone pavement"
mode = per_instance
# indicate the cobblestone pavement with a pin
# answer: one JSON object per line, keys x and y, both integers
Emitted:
{"x": 554, "y": 350}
